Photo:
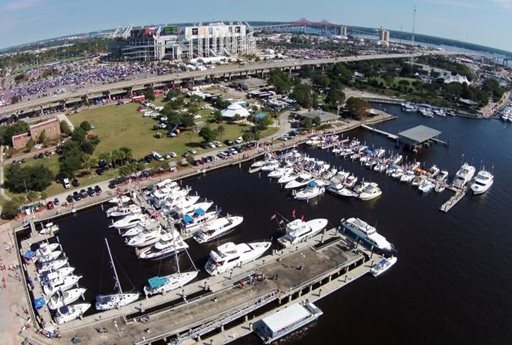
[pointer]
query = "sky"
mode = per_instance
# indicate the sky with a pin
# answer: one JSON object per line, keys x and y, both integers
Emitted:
{"x": 486, "y": 22}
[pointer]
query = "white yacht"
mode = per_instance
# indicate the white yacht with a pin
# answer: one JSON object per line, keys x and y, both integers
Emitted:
{"x": 292, "y": 175}
{"x": 312, "y": 190}
{"x": 483, "y": 181}
{"x": 119, "y": 200}
{"x": 371, "y": 191}
{"x": 52, "y": 265}
{"x": 337, "y": 188}
{"x": 408, "y": 176}
{"x": 350, "y": 181}
{"x": 433, "y": 171}
{"x": 129, "y": 221}
{"x": 443, "y": 175}
{"x": 49, "y": 257}
{"x": 182, "y": 211}
{"x": 426, "y": 186}
{"x": 383, "y": 265}
{"x": 55, "y": 274}
{"x": 49, "y": 228}
{"x": 464, "y": 175}
{"x": 270, "y": 166}
{"x": 70, "y": 312}
{"x": 367, "y": 233}
{"x": 167, "y": 240}
{"x": 67, "y": 297}
{"x": 46, "y": 248}
{"x": 181, "y": 202}
{"x": 147, "y": 225}
{"x": 398, "y": 173}
{"x": 163, "y": 249}
{"x": 217, "y": 228}
{"x": 193, "y": 221}
{"x": 121, "y": 211}
{"x": 168, "y": 283}
{"x": 300, "y": 181}
{"x": 299, "y": 231}
{"x": 116, "y": 300}
{"x": 280, "y": 172}
{"x": 230, "y": 255}
{"x": 61, "y": 284}
{"x": 146, "y": 237}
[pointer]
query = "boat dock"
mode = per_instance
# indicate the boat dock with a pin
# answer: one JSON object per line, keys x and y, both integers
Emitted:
{"x": 379, "y": 131}
{"x": 454, "y": 199}
{"x": 213, "y": 306}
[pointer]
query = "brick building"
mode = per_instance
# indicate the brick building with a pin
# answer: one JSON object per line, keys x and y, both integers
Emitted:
{"x": 50, "y": 127}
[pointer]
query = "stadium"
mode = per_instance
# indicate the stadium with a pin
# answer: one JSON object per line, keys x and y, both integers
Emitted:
{"x": 172, "y": 42}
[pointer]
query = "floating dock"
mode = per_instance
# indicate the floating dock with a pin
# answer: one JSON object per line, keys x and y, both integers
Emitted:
{"x": 454, "y": 199}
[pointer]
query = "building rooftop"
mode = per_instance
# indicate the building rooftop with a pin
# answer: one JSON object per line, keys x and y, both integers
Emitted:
{"x": 323, "y": 115}
{"x": 419, "y": 134}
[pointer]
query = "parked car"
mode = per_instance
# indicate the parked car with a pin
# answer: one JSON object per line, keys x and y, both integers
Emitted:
{"x": 75, "y": 182}
{"x": 56, "y": 201}
{"x": 50, "y": 205}
{"x": 97, "y": 189}
{"x": 69, "y": 198}
{"x": 112, "y": 184}
{"x": 83, "y": 193}
{"x": 76, "y": 196}
{"x": 228, "y": 142}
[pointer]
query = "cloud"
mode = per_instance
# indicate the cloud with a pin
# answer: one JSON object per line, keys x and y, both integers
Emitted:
{"x": 504, "y": 3}
{"x": 21, "y": 4}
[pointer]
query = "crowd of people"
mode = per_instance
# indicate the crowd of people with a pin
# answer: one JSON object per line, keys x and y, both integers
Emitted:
{"x": 69, "y": 77}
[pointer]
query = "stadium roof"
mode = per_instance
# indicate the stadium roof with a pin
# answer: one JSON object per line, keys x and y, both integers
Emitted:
{"x": 419, "y": 134}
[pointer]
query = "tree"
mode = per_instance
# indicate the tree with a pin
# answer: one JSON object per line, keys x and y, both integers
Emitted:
{"x": 219, "y": 132}
{"x": 106, "y": 157}
{"x": 65, "y": 129}
{"x": 303, "y": 95}
{"x": 22, "y": 179}
{"x": 280, "y": 80}
{"x": 128, "y": 153}
{"x": 263, "y": 123}
{"x": 306, "y": 123}
{"x": 149, "y": 93}
{"x": 42, "y": 138}
{"x": 11, "y": 208}
{"x": 71, "y": 160}
{"x": 43, "y": 195}
{"x": 207, "y": 134}
{"x": 29, "y": 145}
{"x": 357, "y": 107}
{"x": 187, "y": 121}
{"x": 86, "y": 126}
{"x": 335, "y": 98}
{"x": 340, "y": 73}
{"x": 6, "y": 133}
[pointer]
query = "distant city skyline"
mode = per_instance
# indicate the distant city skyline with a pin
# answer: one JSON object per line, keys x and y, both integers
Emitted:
{"x": 484, "y": 22}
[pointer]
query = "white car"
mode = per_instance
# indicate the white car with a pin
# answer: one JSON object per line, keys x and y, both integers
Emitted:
{"x": 217, "y": 143}
{"x": 172, "y": 154}
{"x": 239, "y": 140}
{"x": 192, "y": 151}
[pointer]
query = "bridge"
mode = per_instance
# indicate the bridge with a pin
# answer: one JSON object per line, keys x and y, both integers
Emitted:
{"x": 221, "y": 72}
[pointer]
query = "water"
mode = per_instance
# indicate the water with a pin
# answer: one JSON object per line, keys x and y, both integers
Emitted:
{"x": 452, "y": 280}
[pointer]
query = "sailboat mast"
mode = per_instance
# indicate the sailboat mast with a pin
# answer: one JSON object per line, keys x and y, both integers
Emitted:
{"x": 175, "y": 249}
{"x": 116, "y": 277}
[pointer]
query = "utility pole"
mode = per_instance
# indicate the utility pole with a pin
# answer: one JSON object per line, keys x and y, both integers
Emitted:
{"x": 413, "y": 33}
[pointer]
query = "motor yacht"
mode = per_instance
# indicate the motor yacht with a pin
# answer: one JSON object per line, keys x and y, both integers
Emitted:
{"x": 193, "y": 221}
{"x": 397, "y": 173}
{"x": 52, "y": 265}
{"x": 300, "y": 181}
{"x": 49, "y": 257}
{"x": 368, "y": 234}
{"x": 312, "y": 190}
{"x": 337, "y": 188}
{"x": 464, "y": 175}
{"x": 46, "y": 248}
{"x": 408, "y": 176}
{"x": 229, "y": 255}
{"x": 130, "y": 221}
{"x": 383, "y": 265}
{"x": 70, "y": 312}
{"x": 51, "y": 275}
{"x": 163, "y": 249}
{"x": 168, "y": 283}
{"x": 121, "y": 199}
{"x": 483, "y": 181}
{"x": 146, "y": 238}
{"x": 371, "y": 191}
{"x": 426, "y": 186}
{"x": 279, "y": 172}
{"x": 122, "y": 211}
{"x": 299, "y": 231}
{"x": 60, "y": 284}
{"x": 60, "y": 299}
{"x": 149, "y": 224}
{"x": 217, "y": 228}
{"x": 291, "y": 176}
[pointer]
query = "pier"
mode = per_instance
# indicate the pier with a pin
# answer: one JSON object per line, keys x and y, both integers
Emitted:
{"x": 379, "y": 131}
{"x": 213, "y": 306}
{"x": 454, "y": 199}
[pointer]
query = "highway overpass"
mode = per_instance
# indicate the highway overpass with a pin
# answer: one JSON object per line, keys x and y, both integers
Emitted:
{"x": 225, "y": 71}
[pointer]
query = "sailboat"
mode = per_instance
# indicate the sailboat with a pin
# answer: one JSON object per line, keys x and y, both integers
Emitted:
{"x": 163, "y": 284}
{"x": 120, "y": 299}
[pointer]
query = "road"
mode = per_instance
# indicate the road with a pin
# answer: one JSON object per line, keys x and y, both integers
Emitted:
{"x": 219, "y": 71}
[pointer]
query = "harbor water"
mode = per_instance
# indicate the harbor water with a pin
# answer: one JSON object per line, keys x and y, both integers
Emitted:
{"x": 451, "y": 283}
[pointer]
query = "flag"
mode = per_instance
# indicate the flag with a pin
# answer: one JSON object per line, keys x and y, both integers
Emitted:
{"x": 293, "y": 213}
{"x": 273, "y": 217}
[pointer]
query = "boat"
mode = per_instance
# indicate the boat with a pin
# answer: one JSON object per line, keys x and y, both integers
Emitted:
{"x": 301, "y": 181}
{"x": 48, "y": 276}
{"x": 60, "y": 299}
{"x": 49, "y": 228}
{"x": 163, "y": 248}
{"x": 129, "y": 221}
{"x": 312, "y": 190}
{"x": 408, "y": 176}
{"x": 337, "y": 188}
{"x": 61, "y": 284}
{"x": 299, "y": 231}
{"x": 418, "y": 180}
{"x": 71, "y": 312}
{"x": 181, "y": 212}
{"x": 150, "y": 224}
{"x": 279, "y": 172}
{"x": 121, "y": 211}
{"x": 121, "y": 199}
{"x": 181, "y": 202}
{"x": 371, "y": 191}
{"x": 230, "y": 255}
{"x": 49, "y": 257}
{"x": 270, "y": 166}
{"x": 433, "y": 171}
{"x": 397, "y": 173}
{"x": 464, "y": 175}
{"x": 217, "y": 228}
{"x": 256, "y": 166}
{"x": 440, "y": 187}
{"x": 46, "y": 248}
{"x": 116, "y": 300}
{"x": 146, "y": 238}
{"x": 52, "y": 265}
{"x": 368, "y": 234}
{"x": 168, "y": 283}
{"x": 443, "y": 175}
{"x": 288, "y": 177}
{"x": 383, "y": 265}
{"x": 193, "y": 221}
{"x": 426, "y": 186}
{"x": 483, "y": 181}
{"x": 286, "y": 321}
{"x": 350, "y": 181}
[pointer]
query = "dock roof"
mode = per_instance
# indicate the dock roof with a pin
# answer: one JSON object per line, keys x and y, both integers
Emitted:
{"x": 286, "y": 317}
{"x": 419, "y": 134}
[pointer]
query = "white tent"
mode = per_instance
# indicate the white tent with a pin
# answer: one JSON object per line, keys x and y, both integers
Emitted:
{"x": 234, "y": 109}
